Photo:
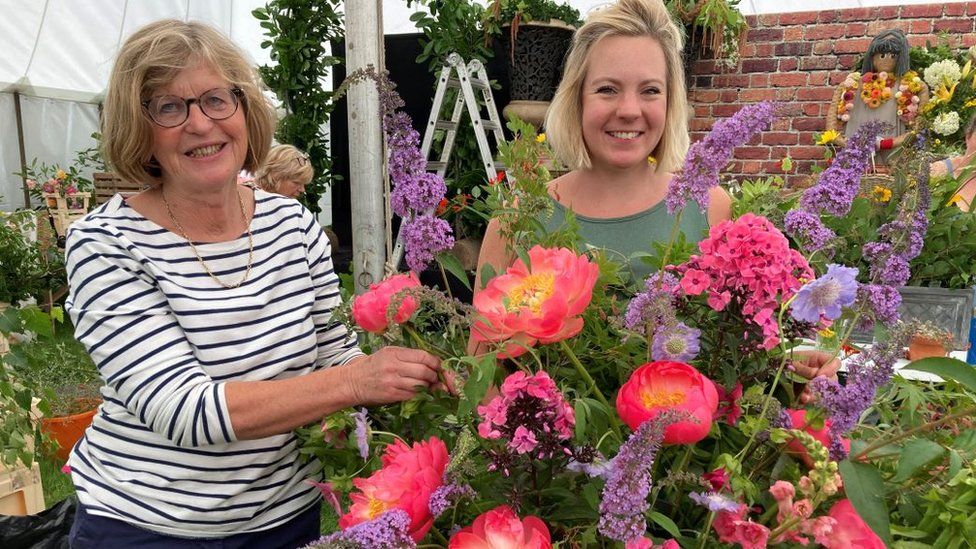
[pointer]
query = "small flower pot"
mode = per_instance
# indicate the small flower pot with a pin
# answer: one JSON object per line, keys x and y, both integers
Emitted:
{"x": 924, "y": 347}
{"x": 67, "y": 430}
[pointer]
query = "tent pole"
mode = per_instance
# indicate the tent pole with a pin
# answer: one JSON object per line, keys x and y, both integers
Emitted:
{"x": 365, "y": 146}
{"x": 23, "y": 152}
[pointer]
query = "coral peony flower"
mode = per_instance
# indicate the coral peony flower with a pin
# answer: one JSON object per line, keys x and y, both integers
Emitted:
{"x": 540, "y": 302}
{"x": 661, "y": 385}
{"x": 850, "y": 531}
{"x": 647, "y": 543}
{"x": 501, "y": 528}
{"x": 369, "y": 310}
{"x": 406, "y": 481}
{"x": 798, "y": 418}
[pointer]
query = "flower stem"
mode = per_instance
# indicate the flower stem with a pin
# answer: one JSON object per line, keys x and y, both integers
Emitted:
{"x": 440, "y": 537}
{"x": 388, "y": 434}
{"x": 422, "y": 344}
{"x": 447, "y": 285}
{"x": 966, "y": 412}
{"x": 704, "y": 533}
{"x": 581, "y": 370}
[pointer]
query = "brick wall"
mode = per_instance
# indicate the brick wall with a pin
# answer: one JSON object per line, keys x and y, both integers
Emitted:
{"x": 798, "y": 59}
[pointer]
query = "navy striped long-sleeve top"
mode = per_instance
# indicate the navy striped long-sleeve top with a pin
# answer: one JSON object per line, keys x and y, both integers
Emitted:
{"x": 161, "y": 452}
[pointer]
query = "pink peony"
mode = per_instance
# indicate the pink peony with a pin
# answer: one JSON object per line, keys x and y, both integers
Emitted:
{"x": 501, "y": 528}
{"x": 799, "y": 420}
{"x": 407, "y": 479}
{"x": 850, "y": 531}
{"x": 662, "y": 385}
{"x": 540, "y": 302}
{"x": 369, "y": 310}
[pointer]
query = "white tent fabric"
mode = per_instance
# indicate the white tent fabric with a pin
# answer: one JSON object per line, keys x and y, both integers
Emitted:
{"x": 57, "y": 55}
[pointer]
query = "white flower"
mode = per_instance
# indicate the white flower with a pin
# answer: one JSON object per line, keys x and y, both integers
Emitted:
{"x": 946, "y": 123}
{"x": 946, "y": 72}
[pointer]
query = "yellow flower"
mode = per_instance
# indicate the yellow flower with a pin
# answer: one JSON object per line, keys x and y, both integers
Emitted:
{"x": 970, "y": 103}
{"x": 881, "y": 194}
{"x": 541, "y": 138}
{"x": 827, "y": 333}
{"x": 60, "y": 175}
{"x": 828, "y": 137}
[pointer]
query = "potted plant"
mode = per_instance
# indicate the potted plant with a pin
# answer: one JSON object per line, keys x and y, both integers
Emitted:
{"x": 928, "y": 339}
{"x": 535, "y": 34}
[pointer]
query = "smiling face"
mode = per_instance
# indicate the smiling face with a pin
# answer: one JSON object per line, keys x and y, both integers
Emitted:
{"x": 201, "y": 153}
{"x": 624, "y": 100}
{"x": 884, "y": 62}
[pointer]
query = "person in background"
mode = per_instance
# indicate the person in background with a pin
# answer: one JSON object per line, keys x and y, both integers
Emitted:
{"x": 956, "y": 165}
{"x": 286, "y": 171}
{"x": 208, "y": 309}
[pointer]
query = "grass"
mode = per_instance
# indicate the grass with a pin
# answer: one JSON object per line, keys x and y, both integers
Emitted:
{"x": 56, "y": 485}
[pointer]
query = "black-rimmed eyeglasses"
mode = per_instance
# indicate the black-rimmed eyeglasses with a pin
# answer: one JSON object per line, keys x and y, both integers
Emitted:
{"x": 302, "y": 159}
{"x": 170, "y": 111}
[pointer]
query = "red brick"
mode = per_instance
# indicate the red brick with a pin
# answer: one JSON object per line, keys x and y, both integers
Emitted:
{"x": 747, "y": 50}
{"x": 731, "y": 80}
{"x": 855, "y": 14}
{"x": 768, "y": 20}
{"x": 887, "y": 12}
{"x": 806, "y": 152}
{"x": 764, "y": 35}
{"x": 821, "y": 32}
{"x": 788, "y": 79}
{"x": 921, "y": 26}
{"x": 704, "y": 66}
{"x": 704, "y": 96}
{"x": 759, "y": 80}
{"x": 972, "y": 9}
{"x": 821, "y": 48}
{"x": 828, "y": 62}
{"x": 729, "y": 96}
{"x": 785, "y": 94}
{"x": 829, "y": 16}
{"x": 849, "y": 62}
{"x": 750, "y": 168}
{"x": 838, "y": 77}
{"x": 953, "y": 25}
{"x": 798, "y": 18}
{"x": 703, "y": 81}
{"x": 876, "y": 27}
{"x": 792, "y": 34}
{"x": 779, "y": 138}
{"x": 787, "y": 65}
{"x": 699, "y": 125}
{"x": 921, "y": 10}
{"x": 789, "y": 110}
{"x": 752, "y": 153}
{"x": 793, "y": 49}
{"x": 818, "y": 78}
{"x": 780, "y": 125}
{"x": 759, "y": 65}
{"x": 918, "y": 40}
{"x": 856, "y": 29}
{"x": 815, "y": 94}
{"x": 725, "y": 110}
{"x": 773, "y": 167}
{"x": 759, "y": 94}
{"x": 810, "y": 109}
{"x": 765, "y": 49}
{"x": 812, "y": 124}
{"x": 955, "y": 10}
{"x": 852, "y": 45}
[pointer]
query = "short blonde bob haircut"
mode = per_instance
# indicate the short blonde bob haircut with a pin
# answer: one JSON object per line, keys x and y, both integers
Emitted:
{"x": 625, "y": 18}
{"x": 150, "y": 59}
{"x": 284, "y": 163}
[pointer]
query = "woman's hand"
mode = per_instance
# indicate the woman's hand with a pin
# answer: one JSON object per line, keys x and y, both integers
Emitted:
{"x": 394, "y": 374}
{"x": 811, "y": 364}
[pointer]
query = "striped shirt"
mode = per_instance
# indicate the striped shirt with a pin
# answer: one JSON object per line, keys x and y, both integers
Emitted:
{"x": 161, "y": 452}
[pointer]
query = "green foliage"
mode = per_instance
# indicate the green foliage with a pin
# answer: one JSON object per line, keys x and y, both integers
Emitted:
{"x": 449, "y": 27}
{"x": 513, "y": 12}
{"x": 948, "y": 258}
{"x": 27, "y": 270}
{"x": 298, "y": 33}
{"x": 714, "y": 26}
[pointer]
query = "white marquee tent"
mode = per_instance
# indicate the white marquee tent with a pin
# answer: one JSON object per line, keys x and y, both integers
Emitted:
{"x": 57, "y": 54}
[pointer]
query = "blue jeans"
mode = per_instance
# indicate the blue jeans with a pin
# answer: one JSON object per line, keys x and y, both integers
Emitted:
{"x": 92, "y": 531}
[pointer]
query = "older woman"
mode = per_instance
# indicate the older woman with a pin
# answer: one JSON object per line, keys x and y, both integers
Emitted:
{"x": 208, "y": 309}
{"x": 286, "y": 171}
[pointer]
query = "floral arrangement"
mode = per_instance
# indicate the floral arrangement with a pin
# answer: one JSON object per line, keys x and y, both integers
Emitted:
{"x": 52, "y": 182}
{"x": 672, "y": 418}
{"x": 951, "y": 80}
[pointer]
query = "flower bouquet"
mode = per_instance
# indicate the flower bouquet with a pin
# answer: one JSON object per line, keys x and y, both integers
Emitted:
{"x": 67, "y": 194}
{"x": 671, "y": 418}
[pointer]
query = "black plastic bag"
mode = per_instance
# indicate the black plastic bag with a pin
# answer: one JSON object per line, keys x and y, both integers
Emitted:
{"x": 48, "y": 529}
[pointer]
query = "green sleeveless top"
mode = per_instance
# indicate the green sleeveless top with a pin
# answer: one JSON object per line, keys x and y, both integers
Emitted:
{"x": 622, "y": 236}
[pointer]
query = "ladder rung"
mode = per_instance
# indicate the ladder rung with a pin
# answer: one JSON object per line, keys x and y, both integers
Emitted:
{"x": 445, "y": 125}
{"x": 476, "y": 83}
{"x": 489, "y": 125}
{"x": 500, "y": 166}
{"x": 435, "y": 166}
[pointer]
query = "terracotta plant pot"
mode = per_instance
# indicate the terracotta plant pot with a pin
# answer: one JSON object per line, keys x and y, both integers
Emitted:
{"x": 924, "y": 347}
{"x": 67, "y": 430}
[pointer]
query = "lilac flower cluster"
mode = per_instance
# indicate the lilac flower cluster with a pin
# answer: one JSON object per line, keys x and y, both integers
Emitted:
{"x": 448, "y": 495}
{"x": 707, "y": 157}
{"x": 386, "y": 531}
{"x": 416, "y": 192}
{"x": 655, "y": 305}
{"x": 835, "y": 189}
{"x": 624, "y": 498}
{"x": 868, "y": 371}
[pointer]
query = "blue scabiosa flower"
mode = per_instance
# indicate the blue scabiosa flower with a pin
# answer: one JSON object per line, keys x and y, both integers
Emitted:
{"x": 362, "y": 432}
{"x": 678, "y": 343}
{"x": 827, "y": 295}
{"x": 714, "y": 501}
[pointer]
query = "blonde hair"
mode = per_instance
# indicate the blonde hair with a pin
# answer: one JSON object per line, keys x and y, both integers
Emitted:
{"x": 151, "y": 58}
{"x": 283, "y": 164}
{"x": 625, "y": 18}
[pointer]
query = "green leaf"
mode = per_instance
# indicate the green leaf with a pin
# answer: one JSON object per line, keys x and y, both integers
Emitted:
{"x": 916, "y": 454}
{"x": 947, "y": 368}
{"x": 451, "y": 263}
{"x": 664, "y": 522}
{"x": 482, "y": 373}
{"x": 580, "y": 410}
{"x": 865, "y": 489}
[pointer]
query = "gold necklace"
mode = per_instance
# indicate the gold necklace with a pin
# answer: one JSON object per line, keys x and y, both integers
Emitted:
{"x": 250, "y": 242}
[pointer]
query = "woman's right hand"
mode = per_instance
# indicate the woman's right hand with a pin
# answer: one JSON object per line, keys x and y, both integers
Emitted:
{"x": 393, "y": 374}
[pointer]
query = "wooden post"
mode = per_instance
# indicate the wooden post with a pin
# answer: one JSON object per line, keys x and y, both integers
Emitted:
{"x": 363, "y": 39}
{"x": 23, "y": 153}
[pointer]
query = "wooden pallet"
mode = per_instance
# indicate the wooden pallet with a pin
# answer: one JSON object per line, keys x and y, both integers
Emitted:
{"x": 108, "y": 185}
